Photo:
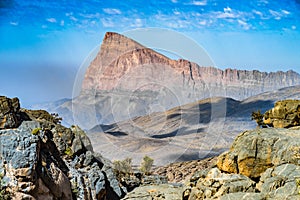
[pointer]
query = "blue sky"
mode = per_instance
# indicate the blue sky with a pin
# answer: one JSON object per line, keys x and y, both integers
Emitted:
{"x": 43, "y": 43}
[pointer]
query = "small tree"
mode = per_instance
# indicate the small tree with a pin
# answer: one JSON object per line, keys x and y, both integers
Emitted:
{"x": 259, "y": 118}
{"x": 123, "y": 167}
{"x": 146, "y": 165}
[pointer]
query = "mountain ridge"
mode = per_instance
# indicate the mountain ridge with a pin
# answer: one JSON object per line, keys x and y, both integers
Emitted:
{"x": 127, "y": 79}
{"x": 119, "y": 55}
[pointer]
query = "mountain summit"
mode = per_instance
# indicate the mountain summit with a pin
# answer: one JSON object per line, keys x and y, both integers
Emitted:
{"x": 124, "y": 64}
{"x": 127, "y": 79}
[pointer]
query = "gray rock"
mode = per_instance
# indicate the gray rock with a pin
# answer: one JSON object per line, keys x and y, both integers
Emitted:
{"x": 217, "y": 184}
{"x": 242, "y": 196}
{"x": 154, "y": 179}
{"x": 9, "y": 113}
{"x": 284, "y": 114}
{"x": 155, "y": 192}
{"x": 280, "y": 182}
{"x": 88, "y": 158}
{"x": 253, "y": 152}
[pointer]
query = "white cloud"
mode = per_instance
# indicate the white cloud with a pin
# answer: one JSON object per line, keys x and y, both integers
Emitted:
{"x": 263, "y": 1}
{"x": 62, "y": 22}
{"x": 258, "y": 13}
{"x": 112, "y": 11}
{"x": 176, "y": 12}
{"x": 178, "y": 24}
{"x": 275, "y": 14}
{"x": 73, "y": 18}
{"x": 285, "y": 12}
{"x": 138, "y": 23}
{"x": 223, "y": 15}
{"x": 174, "y": 1}
{"x": 228, "y": 9}
{"x": 228, "y": 13}
{"x": 69, "y": 14}
{"x": 51, "y": 20}
{"x": 91, "y": 15}
{"x": 14, "y": 23}
{"x": 199, "y": 3}
{"x": 203, "y": 23}
{"x": 244, "y": 24}
{"x": 107, "y": 22}
{"x": 294, "y": 27}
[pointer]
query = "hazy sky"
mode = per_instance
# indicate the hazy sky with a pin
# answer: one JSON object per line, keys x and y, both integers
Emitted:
{"x": 43, "y": 43}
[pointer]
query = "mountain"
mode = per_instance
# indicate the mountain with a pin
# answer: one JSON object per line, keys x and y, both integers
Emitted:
{"x": 196, "y": 130}
{"x": 122, "y": 64}
{"x": 126, "y": 80}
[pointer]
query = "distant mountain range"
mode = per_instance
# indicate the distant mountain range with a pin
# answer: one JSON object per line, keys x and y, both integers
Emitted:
{"x": 127, "y": 80}
{"x": 196, "y": 130}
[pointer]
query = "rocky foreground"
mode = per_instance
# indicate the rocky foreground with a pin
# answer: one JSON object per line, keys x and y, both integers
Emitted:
{"x": 41, "y": 159}
{"x": 261, "y": 164}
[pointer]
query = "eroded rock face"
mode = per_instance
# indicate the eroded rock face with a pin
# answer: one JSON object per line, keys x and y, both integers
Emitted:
{"x": 181, "y": 172}
{"x": 120, "y": 55}
{"x": 126, "y": 74}
{"x": 217, "y": 184}
{"x": 44, "y": 160}
{"x": 281, "y": 182}
{"x": 155, "y": 192}
{"x": 255, "y": 151}
{"x": 9, "y": 112}
{"x": 284, "y": 114}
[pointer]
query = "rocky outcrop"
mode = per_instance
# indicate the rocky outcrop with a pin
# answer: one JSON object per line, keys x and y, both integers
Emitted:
{"x": 216, "y": 184}
{"x": 281, "y": 182}
{"x": 253, "y": 152}
{"x": 41, "y": 159}
{"x": 180, "y": 172}
{"x": 9, "y": 112}
{"x": 285, "y": 114}
{"x": 261, "y": 164}
{"x": 155, "y": 192}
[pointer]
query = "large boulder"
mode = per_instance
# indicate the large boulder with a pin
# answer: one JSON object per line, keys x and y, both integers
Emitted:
{"x": 285, "y": 114}
{"x": 217, "y": 184}
{"x": 253, "y": 152}
{"x": 9, "y": 112}
{"x": 19, "y": 155}
{"x": 281, "y": 182}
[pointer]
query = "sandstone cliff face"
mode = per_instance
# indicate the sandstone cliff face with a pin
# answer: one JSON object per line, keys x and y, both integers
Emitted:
{"x": 126, "y": 80}
{"x": 121, "y": 64}
{"x": 41, "y": 159}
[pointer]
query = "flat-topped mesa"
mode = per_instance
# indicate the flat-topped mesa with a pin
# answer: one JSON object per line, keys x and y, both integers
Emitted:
{"x": 123, "y": 64}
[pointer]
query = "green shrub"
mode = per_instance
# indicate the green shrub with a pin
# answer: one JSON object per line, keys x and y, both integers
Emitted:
{"x": 69, "y": 152}
{"x": 259, "y": 118}
{"x": 35, "y": 131}
{"x": 146, "y": 165}
{"x": 123, "y": 167}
